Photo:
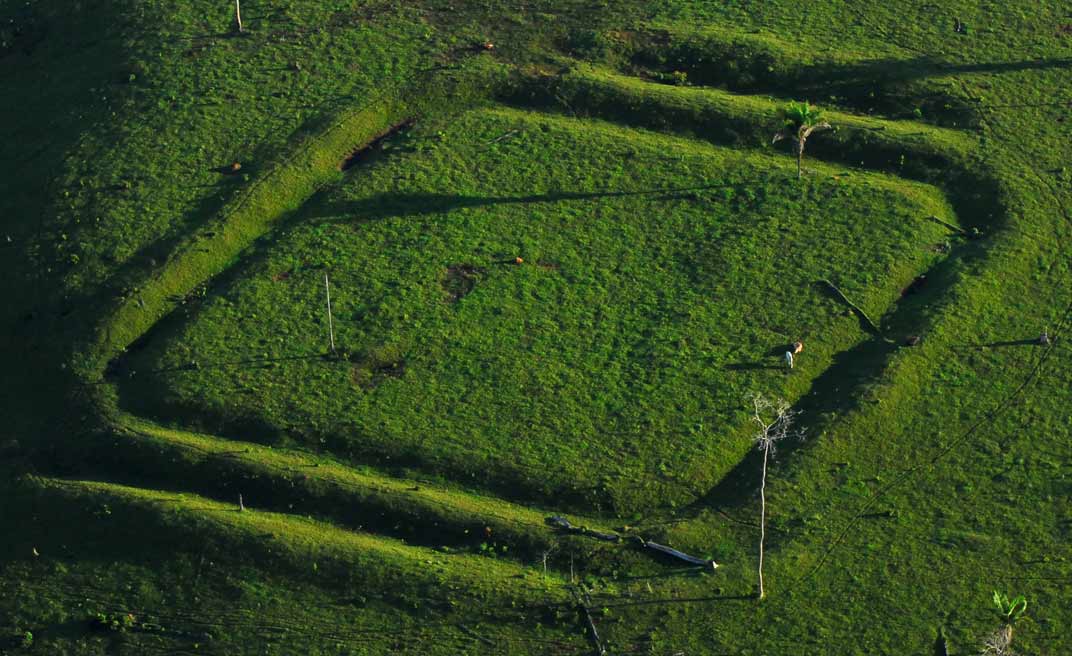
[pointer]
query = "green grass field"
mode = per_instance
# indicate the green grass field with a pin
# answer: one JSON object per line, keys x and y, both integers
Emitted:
{"x": 610, "y": 362}
{"x": 562, "y": 254}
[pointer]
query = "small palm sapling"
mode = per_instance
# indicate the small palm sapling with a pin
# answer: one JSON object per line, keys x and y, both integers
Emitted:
{"x": 1000, "y": 642}
{"x": 801, "y": 121}
{"x": 774, "y": 420}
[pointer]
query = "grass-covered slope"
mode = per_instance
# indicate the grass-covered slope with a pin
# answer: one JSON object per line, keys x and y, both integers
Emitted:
{"x": 386, "y": 510}
{"x": 304, "y": 483}
{"x": 660, "y": 282}
{"x": 295, "y": 544}
{"x": 203, "y": 576}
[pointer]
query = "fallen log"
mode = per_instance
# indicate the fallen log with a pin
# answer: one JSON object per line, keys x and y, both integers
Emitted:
{"x": 584, "y": 601}
{"x": 949, "y": 226}
{"x": 680, "y": 555}
{"x": 564, "y": 524}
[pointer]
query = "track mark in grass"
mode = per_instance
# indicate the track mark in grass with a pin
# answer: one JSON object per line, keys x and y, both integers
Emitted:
{"x": 459, "y": 280}
{"x": 359, "y": 155}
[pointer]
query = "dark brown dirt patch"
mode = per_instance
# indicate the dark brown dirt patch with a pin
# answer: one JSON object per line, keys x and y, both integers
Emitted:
{"x": 459, "y": 280}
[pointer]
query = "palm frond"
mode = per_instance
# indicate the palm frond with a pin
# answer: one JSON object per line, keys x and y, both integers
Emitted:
{"x": 801, "y": 114}
{"x": 806, "y": 131}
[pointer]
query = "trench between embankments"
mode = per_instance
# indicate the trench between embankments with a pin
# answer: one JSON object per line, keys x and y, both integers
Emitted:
{"x": 384, "y": 504}
{"x": 315, "y": 162}
{"x": 924, "y": 153}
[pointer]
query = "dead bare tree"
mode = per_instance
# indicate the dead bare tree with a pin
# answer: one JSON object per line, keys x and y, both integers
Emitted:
{"x": 774, "y": 420}
{"x": 547, "y": 554}
{"x": 998, "y": 643}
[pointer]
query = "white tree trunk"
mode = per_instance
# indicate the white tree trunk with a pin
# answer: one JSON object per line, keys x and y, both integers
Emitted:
{"x": 238, "y": 14}
{"x": 331, "y": 324}
{"x": 762, "y": 516}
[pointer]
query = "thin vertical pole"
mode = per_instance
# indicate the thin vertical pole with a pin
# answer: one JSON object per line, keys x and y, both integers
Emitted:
{"x": 762, "y": 516}
{"x": 331, "y": 325}
{"x": 238, "y": 13}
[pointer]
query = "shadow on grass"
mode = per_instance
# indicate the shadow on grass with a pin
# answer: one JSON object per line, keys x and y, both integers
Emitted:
{"x": 891, "y": 86}
{"x": 831, "y": 395}
{"x": 685, "y": 571}
{"x": 118, "y": 367}
{"x": 682, "y": 600}
{"x": 1034, "y": 341}
{"x": 837, "y": 391}
{"x": 875, "y": 72}
{"x": 387, "y": 205}
{"x": 752, "y": 366}
{"x": 740, "y": 66}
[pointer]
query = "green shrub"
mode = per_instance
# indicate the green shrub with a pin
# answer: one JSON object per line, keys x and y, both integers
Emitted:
{"x": 114, "y": 622}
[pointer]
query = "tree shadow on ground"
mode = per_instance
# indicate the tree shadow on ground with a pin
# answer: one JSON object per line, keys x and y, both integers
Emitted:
{"x": 752, "y": 366}
{"x": 682, "y": 600}
{"x": 386, "y": 205}
{"x": 877, "y": 71}
{"x": 861, "y": 83}
{"x": 831, "y": 396}
{"x": 119, "y": 366}
{"x": 1034, "y": 341}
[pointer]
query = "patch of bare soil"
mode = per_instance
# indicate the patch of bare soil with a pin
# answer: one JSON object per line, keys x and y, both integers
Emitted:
{"x": 459, "y": 280}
